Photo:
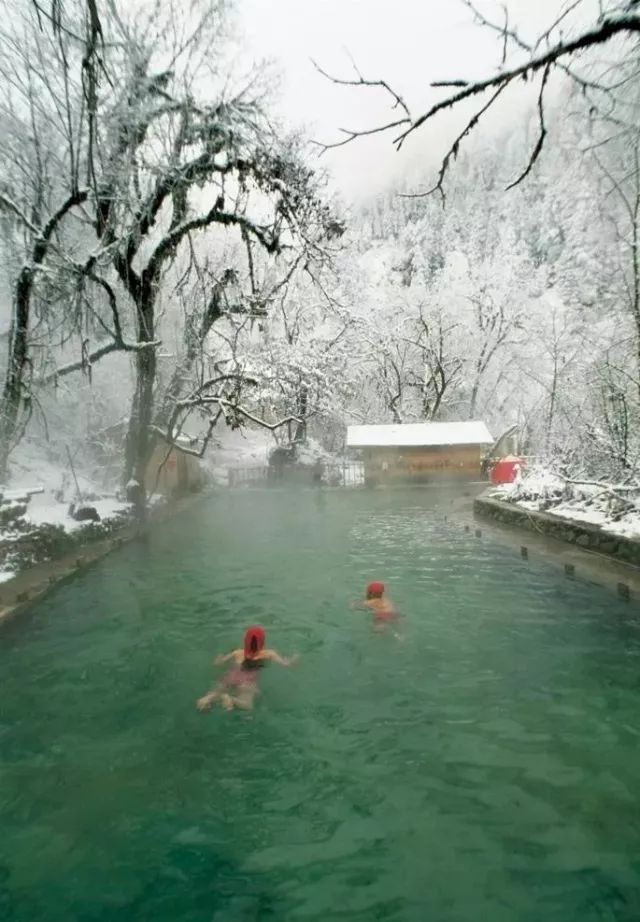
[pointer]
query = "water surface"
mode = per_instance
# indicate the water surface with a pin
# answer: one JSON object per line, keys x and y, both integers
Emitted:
{"x": 485, "y": 767}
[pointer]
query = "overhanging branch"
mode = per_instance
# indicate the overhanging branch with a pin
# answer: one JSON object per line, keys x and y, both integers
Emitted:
{"x": 172, "y": 240}
{"x": 91, "y": 358}
{"x": 556, "y": 55}
{"x": 398, "y": 102}
{"x": 605, "y": 30}
{"x": 537, "y": 150}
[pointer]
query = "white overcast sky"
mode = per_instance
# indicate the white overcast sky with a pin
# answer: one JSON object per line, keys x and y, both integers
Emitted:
{"x": 408, "y": 42}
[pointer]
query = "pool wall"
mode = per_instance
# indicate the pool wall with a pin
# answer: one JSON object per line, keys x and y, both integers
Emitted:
{"x": 583, "y": 534}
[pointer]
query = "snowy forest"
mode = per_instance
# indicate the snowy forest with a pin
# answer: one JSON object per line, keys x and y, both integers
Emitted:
{"x": 175, "y": 263}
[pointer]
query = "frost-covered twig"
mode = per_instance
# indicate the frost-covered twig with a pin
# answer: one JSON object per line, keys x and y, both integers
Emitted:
{"x": 377, "y": 84}
{"x": 8, "y": 204}
{"x": 626, "y": 22}
{"x": 603, "y": 31}
{"x": 263, "y": 423}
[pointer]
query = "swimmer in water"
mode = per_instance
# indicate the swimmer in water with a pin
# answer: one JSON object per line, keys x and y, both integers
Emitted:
{"x": 380, "y": 606}
{"x": 238, "y": 687}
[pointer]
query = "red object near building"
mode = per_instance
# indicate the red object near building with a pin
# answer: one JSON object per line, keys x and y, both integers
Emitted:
{"x": 506, "y": 469}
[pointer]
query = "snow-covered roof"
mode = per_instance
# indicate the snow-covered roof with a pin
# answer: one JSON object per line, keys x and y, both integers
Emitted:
{"x": 470, "y": 432}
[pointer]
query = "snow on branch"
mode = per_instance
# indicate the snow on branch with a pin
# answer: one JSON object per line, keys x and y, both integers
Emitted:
{"x": 118, "y": 342}
{"x": 77, "y": 197}
{"x": 214, "y": 216}
{"x": 90, "y": 358}
{"x": 228, "y": 404}
{"x": 8, "y": 204}
{"x": 43, "y": 234}
{"x": 258, "y": 420}
{"x": 180, "y": 446}
{"x": 230, "y": 411}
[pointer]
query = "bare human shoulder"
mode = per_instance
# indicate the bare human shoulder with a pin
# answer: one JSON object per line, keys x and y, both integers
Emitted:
{"x": 237, "y": 655}
{"x": 274, "y": 657}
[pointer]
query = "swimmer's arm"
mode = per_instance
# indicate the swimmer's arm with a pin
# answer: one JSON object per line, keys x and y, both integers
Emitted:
{"x": 226, "y": 657}
{"x": 274, "y": 657}
{"x": 360, "y": 605}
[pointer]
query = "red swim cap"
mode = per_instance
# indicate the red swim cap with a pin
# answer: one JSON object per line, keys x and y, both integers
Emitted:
{"x": 253, "y": 641}
{"x": 375, "y": 590}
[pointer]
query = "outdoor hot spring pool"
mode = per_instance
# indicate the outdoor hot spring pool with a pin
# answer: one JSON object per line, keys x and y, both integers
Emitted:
{"x": 486, "y": 767}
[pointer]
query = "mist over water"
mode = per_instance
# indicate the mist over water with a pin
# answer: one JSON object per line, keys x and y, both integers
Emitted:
{"x": 485, "y": 766}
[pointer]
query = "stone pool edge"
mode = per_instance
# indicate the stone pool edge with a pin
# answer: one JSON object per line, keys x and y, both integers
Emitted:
{"x": 585, "y": 550}
{"x": 34, "y": 583}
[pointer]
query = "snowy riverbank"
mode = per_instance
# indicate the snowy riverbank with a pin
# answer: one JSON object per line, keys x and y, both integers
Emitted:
{"x": 614, "y": 508}
{"x": 39, "y": 520}
{"x": 42, "y": 527}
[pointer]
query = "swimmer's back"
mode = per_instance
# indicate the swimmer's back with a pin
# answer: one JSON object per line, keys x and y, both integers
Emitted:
{"x": 258, "y": 660}
{"x": 381, "y": 609}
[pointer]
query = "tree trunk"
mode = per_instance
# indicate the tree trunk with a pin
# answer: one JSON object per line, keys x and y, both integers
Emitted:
{"x": 474, "y": 398}
{"x": 139, "y": 443}
{"x": 13, "y": 390}
{"x": 17, "y": 362}
{"x": 552, "y": 404}
{"x": 175, "y": 389}
{"x": 635, "y": 264}
{"x": 301, "y": 412}
{"x": 194, "y": 337}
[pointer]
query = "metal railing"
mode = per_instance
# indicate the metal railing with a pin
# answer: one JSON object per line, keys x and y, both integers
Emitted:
{"x": 339, "y": 474}
{"x": 247, "y": 476}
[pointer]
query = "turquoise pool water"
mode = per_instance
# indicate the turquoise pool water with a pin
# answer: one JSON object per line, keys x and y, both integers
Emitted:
{"x": 485, "y": 767}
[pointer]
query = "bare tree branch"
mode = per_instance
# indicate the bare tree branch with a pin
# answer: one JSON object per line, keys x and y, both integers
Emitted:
{"x": 361, "y": 81}
{"x": 506, "y": 33}
{"x": 352, "y": 135}
{"x": 9, "y": 205}
{"x": 452, "y": 153}
{"x": 537, "y": 150}
{"x": 556, "y": 55}
{"x": 181, "y": 447}
{"x": 90, "y": 359}
{"x": 236, "y": 408}
{"x": 605, "y": 30}
{"x": 196, "y": 398}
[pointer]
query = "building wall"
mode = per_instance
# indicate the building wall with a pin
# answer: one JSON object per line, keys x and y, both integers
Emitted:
{"x": 173, "y": 473}
{"x": 423, "y": 464}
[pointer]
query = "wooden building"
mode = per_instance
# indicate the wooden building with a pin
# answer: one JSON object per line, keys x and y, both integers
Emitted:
{"x": 421, "y": 452}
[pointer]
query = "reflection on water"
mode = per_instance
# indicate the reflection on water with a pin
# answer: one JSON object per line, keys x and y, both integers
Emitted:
{"x": 484, "y": 767}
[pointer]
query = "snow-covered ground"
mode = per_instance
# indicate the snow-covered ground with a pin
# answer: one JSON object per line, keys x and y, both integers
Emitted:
{"x": 614, "y": 508}
{"x": 45, "y": 509}
{"x": 34, "y": 468}
{"x": 248, "y": 448}
{"x": 238, "y": 448}
{"x": 37, "y": 466}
